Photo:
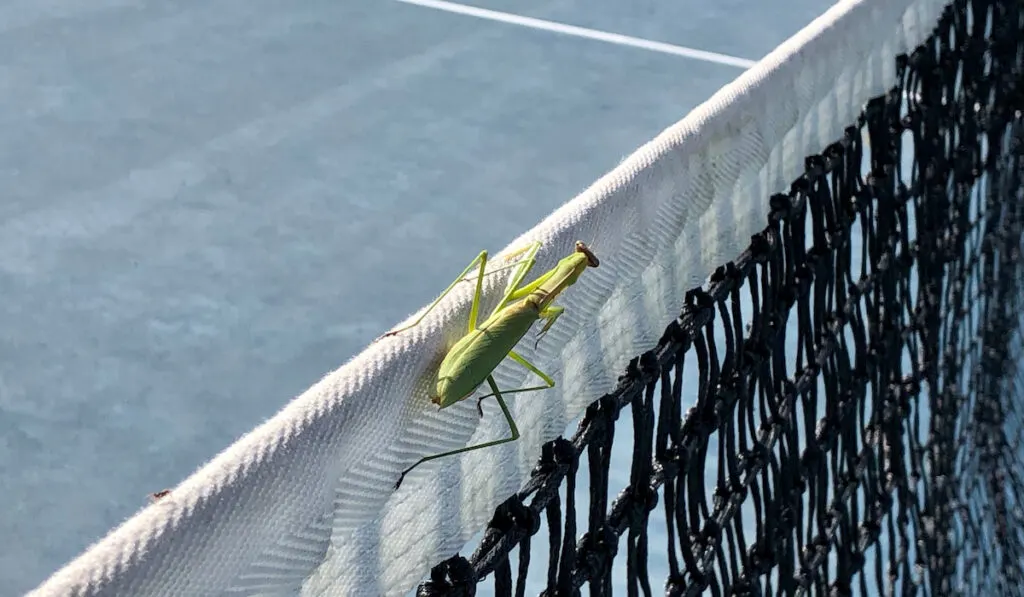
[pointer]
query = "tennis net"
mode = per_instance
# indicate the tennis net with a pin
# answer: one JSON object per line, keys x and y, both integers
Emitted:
{"x": 832, "y": 411}
{"x": 855, "y": 425}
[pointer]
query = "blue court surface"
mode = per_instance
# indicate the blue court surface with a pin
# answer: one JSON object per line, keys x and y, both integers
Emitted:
{"x": 205, "y": 206}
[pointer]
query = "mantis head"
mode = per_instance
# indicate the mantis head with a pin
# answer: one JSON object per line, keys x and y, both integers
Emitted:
{"x": 592, "y": 259}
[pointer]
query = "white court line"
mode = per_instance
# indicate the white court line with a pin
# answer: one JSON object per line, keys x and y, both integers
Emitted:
{"x": 613, "y": 38}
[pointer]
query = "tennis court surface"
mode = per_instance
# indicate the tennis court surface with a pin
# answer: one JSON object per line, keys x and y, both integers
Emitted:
{"x": 211, "y": 206}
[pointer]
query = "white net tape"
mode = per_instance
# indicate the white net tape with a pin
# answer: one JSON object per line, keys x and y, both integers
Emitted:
{"x": 304, "y": 504}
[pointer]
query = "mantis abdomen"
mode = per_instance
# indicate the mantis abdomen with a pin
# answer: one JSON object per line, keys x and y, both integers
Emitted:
{"x": 477, "y": 354}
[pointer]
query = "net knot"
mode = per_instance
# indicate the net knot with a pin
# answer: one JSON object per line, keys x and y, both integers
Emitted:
{"x": 753, "y": 460}
{"x": 756, "y": 350}
{"x": 723, "y": 493}
{"x": 705, "y": 421}
{"x": 902, "y": 61}
{"x": 727, "y": 272}
{"x": 815, "y": 166}
{"x": 677, "y": 336}
{"x": 632, "y": 506}
{"x": 812, "y": 456}
{"x": 681, "y": 453}
{"x": 698, "y": 301}
{"x": 861, "y": 199}
{"x": 557, "y": 458}
{"x": 598, "y": 549}
{"x": 833, "y": 155}
{"x": 453, "y": 577}
{"x": 804, "y": 277}
{"x": 840, "y": 588}
{"x": 964, "y": 160}
{"x": 692, "y": 585}
{"x": 711, "y": 535}
{"x": 805, "y": 578}
{"x": 873, "y": 111}
{"x": 781, "y": 207}
{"x": 910, "y": 120}
{"x": 760, "y": 248}
{"x": 879, "y": 178}
{"x": 787, "y": 514}
{"x": 699, "y": 582}
{"x": 632, "y": 373}
{"x": 513, "y": 515}
{"x": 669, "y": 467}
{"x": 558, "y": 453}
{"x": 857, "y": 560}
{"x": 674, "y": 585}
{"x": 801, "y": 189}
{"x": 815, "y": 552}
{"x": 762, "y": 557}
{"x": 737, "y": 489}
{"x": 850, "y": 135}
{"x": 605, "y": 411}
{"x": 728, "y": 390}
{"x": 744, "y": 587}
{"x": 650, "y": 367}
{"x": 870, "y": 530}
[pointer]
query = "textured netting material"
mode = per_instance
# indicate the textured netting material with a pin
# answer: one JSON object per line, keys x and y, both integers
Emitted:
{"x": 885, "y": 451}
{"x": 875, "y": 437}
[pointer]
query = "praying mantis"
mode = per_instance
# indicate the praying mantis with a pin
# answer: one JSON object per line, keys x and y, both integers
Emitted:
{"x": 472, "y": 360}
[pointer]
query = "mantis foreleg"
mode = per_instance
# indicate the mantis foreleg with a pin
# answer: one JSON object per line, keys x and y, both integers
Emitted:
{"x": 550, "y": 314}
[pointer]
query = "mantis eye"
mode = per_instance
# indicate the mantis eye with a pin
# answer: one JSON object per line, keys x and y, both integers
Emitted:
{"x": 592, "y": 259}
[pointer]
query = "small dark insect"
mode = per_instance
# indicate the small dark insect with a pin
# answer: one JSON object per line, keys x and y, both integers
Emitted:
{"x": 156, "y": 497}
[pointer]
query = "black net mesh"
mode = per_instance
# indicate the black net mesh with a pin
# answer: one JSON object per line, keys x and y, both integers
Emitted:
{"x": 855, "y": 425}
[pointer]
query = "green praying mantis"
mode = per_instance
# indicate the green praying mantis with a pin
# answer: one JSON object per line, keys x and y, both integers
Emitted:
{"x": 472, "y": 360}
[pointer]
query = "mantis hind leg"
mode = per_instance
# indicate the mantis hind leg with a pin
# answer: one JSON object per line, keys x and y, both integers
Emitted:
{"x": 511, "y": 425}
{"x": 480, "y": 259}
{"x": 524, "y": 264}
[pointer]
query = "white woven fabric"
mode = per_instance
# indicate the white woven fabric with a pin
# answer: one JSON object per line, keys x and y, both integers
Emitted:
{"x": 304, "y": 503}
